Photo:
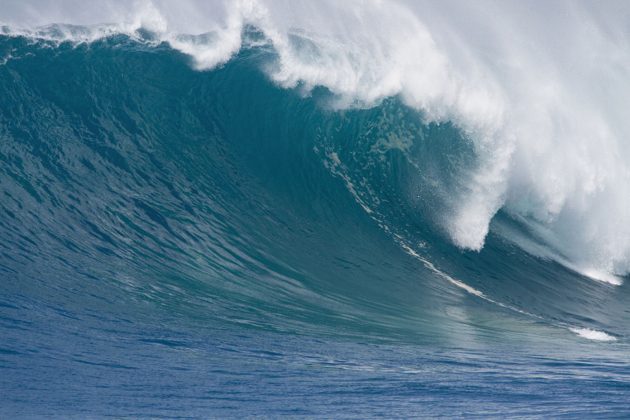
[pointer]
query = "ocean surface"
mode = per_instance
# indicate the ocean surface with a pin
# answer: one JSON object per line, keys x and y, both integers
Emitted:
{"x": 284, "y": 226}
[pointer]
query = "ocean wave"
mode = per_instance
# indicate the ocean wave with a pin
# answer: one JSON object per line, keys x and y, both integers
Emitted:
{"x": 383, "y": 207}
{"x": 543, "y": 123}
{"x": 225, "y": 190}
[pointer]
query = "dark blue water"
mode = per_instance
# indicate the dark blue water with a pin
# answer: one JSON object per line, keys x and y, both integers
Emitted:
{"x": 177, "y": 243}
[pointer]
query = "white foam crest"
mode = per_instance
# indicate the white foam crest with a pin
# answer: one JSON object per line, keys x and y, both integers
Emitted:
{"x": 541, "y": 90}
{"x": 590, "y": 334}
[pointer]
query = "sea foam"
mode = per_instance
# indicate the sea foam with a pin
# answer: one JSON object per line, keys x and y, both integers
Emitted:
{"x": 593, "y": 334}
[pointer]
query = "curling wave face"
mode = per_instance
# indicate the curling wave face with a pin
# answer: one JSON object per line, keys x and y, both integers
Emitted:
{"x": 545, "y": 122}
{"x": 122, "y": 158}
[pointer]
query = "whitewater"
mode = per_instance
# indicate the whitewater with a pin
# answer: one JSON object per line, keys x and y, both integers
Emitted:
{"x": 401, "y": 208}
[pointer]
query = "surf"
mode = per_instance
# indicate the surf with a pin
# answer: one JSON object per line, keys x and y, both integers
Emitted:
{"x": 550, "y": 158}
{"x": 252, "y": 190}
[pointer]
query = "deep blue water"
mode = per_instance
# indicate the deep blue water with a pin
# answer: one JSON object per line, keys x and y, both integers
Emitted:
{"x": 181, "y": 243}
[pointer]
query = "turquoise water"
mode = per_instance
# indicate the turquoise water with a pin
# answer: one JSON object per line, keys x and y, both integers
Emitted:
{"x": 205, "y": 243}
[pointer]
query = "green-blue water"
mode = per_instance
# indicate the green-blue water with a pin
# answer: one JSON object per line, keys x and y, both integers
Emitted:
{"x": 204, "y": 243}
